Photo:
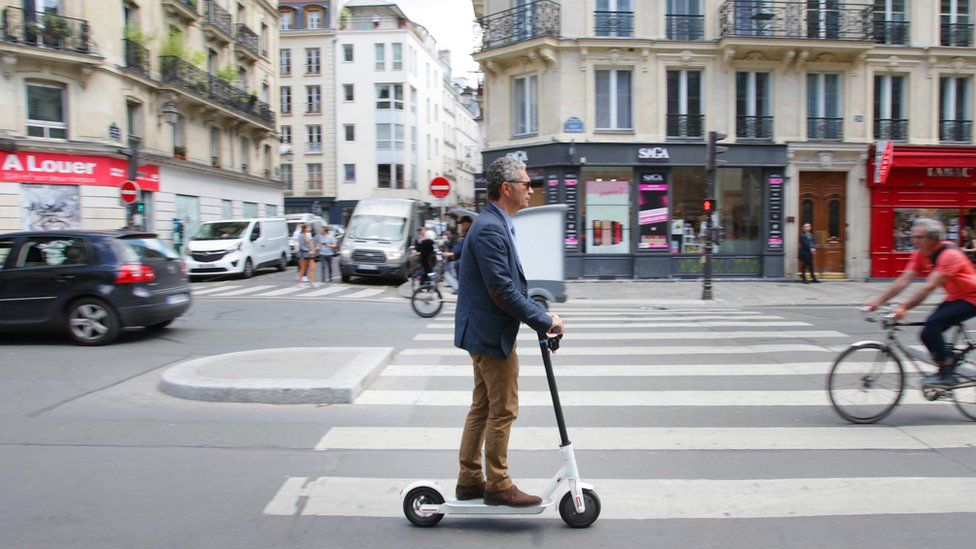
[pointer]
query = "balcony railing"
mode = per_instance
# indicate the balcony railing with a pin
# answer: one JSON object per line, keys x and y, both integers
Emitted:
{"x": 956, "y": 35}
{"x": 825, "y": 129}
{"x": 539, "y": 18}
{"x": 891, "y": 32}
{"x": 686, "y": 125}
{"x": 754, "y": 127}
{"x": 956, "y": 131}
{"x": 187, "y": 77}
{"x": 45, "y": 30}
{"x": 613, "y": 23}
{"x": 247, "y": 39}
{"x": 895, "y": 129}
{"x": 219, "y": 18}
{"x": 685, "y": 27}
{"x": 792, "y": 19}
{"x": 136, "y": 57}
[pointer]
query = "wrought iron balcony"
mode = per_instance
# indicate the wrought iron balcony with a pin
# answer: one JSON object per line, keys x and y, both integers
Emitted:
{"x": 792, "y": 19}
{"x": 957, "y": 35}
{"x": 184, "y": 9}
{"x": 754, "y": 127}
{"x": 216, "y": 17}
{"x": 136, "y": 57}
{"x": 891, "y": 32}
{"x": 685, "y": 27}
{"x": 956, "y": 131}
{"x": 613, "y": 23}
{"x": 689, "y": 126}
{"x": 45, "y": 30}
{"x": 539, "y": 18}
{"x": 825, "y": 129}
{"x": 189, "y": 78}
{"x": 895, "y": 129}
{"x": 247, "y": 40}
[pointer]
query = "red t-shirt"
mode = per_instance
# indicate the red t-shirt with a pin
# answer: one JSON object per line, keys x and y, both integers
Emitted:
{"x": 961, "y": 275}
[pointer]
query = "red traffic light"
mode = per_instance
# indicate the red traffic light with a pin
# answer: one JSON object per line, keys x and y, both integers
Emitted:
{"x": 709, "y": 205}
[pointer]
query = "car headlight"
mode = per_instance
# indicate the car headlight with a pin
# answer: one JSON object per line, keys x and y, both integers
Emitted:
{"x": 234, "y": 248}
{"x": 346, "y": 252}
{"x": 394, "y": 256}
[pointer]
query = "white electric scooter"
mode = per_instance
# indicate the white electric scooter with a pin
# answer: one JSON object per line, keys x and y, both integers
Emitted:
{"x": 426, "y": 502}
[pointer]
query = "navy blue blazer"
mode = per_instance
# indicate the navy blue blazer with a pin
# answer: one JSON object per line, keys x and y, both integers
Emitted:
{"x": 493, "y": 297}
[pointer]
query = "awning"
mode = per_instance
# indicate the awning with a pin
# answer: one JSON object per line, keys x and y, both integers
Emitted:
{"x": 934, "y": 157}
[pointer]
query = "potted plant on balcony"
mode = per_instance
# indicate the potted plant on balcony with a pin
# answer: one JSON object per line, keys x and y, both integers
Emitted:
{"x": 215, "y": 161}
{"x": 56, "y": 29}
{"x": 179, "y": 152}
{"x": 228, "y": 74}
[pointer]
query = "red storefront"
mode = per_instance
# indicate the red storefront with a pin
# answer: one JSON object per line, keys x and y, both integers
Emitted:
{"x": 937, "y": 182}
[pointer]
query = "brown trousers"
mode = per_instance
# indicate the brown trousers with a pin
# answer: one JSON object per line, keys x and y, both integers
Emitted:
{"x": 494, "y": 406}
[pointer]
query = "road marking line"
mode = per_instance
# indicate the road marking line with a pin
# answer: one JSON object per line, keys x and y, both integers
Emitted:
{"x": 242, "y": 291}
{"x": 852, "y": 437}
{"x": 651, "y": 351}
{"x": 624, "y": 370}
{"x": 659, "y": 499}
{"x": 364, "y": 293}
{"x": 212, "y": 289}
{"x": 719, "y": 324}
{"x": 637, "y": 336}
{"x": 326, "y": 291}
{"x": 282, "y": 291}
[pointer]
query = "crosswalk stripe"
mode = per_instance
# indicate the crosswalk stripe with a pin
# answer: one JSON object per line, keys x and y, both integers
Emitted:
{"x": 213, "y": 289}
{"x": 623, "y": 398}
{"x": 365, "y": 293}
{"x": 242, "y": 291}
{"x": 657, "y": 499}
{"x": 624, "y": 370}
{"x": 655, "y": 313}
{"x": 709, "y": 324}
{"x": 282, "y": 291}
{"x": 853, "y": 437}
{"x": 328, "y": 290}
{"x": 650, "y": 351}
{"x": 668, "y": 336}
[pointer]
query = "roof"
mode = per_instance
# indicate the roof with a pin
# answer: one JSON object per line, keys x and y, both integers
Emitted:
{"x": 376, "y": 4}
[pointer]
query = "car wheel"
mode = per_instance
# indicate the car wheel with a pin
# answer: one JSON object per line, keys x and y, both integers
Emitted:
{"x": 345, "y": 278}
{"x": 248, "y": 271}
{"x": 91, "y": 321}
{"x": 282, "y": 263}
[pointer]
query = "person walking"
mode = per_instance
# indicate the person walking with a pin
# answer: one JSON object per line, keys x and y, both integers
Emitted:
{"x": 307, "y": 252}
{"x": 492, "y": 305}
{"x": 327, "y": 251}
{"x": 807, "y": 248}
{"x": 967, "y": 244}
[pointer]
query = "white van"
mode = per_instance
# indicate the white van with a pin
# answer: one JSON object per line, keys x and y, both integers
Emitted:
{"x": 295, "y": 221}
{"x": 238, "y": 246}
{"x": 379, "y": 238}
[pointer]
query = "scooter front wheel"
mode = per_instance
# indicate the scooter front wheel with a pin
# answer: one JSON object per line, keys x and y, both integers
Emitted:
{"x": 422, "y": 496}
{"x": 567, "y": 509}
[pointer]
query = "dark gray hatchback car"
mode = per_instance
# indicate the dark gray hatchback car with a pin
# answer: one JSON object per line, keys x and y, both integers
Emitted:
{"x": 89, "y": 284}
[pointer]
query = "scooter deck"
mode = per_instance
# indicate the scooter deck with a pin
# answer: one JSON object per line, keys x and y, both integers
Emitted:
{"x": 478, "y": 507}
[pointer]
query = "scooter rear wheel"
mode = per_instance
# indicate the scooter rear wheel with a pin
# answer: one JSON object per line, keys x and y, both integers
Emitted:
{"x": 567, "y": 509}
{"x": 422, "y": 496}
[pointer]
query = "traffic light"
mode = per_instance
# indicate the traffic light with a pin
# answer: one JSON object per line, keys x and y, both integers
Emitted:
{"x": 139, "y": 207}
{"x": 713, "y": 149}
{"x": 708, "y": 205}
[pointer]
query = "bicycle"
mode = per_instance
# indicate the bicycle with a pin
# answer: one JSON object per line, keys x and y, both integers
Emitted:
{"x": 427, "y": 300}
{"x": 867, "y": 380}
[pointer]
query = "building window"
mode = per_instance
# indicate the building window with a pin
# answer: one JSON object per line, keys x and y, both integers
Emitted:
{"x": 350, "y": 132}
{"x": 349, "y": 173}
{"x": 955, "y": 120}
{"x": 389, "y": 136}
{"x": 413, "y": 99}
{"x": 286, "y": 134}
{"x": 250, "y": 210}
{"x": 397, "y": 56}
{"x": 46, "y": 116}
{"x": 313, "y": 99}
{"x": 226, "y": 209}
{"x": 312, "y": 61}
{"x": 286, "y": 20}
{"x": 286, "y": 176}
{"x": 890, "y": 113}
{"x": 314, "y": 172}
{"x": 526, "y": 105}
{"x": 313, "y": 18}
{"x": 389, "y": 96}
{"x": 133, "y": 118}
{"x": 285, "y": 93}
{"x": 270, "y": 210}
{"x": 955, "y": 24}
{"x": 890, "y": 22}
{"x": 348, "y": 53}
{"x": 614, "y": 18}
{"x": 613, "y": 105}
{"x": 684, "y": 20}
{"x": 390, "y": 176}
{"x": 214, "y": 146}
{"x": 245, "y": 153}
{"x": 348, "y": 92}
{"x": 824, "y": 119}
{"x": 380, "y": 56}
{"x": 284, "y": 61}
{"x": 752, "y": 106}
{"x": 685, "y": 117}
{"x": 313, "y": 138}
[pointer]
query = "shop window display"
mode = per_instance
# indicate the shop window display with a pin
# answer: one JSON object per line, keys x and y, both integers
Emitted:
{"x": 607, "y": 211}
{"x": 739, "y": 201}
{"x": 687, "y": 194}
{"x": 905, "y": 217}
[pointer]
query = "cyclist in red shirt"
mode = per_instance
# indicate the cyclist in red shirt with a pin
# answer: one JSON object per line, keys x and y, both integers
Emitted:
{"x": 955, "y": 273}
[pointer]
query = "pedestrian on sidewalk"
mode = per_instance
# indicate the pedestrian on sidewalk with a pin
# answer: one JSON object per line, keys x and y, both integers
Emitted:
{"x": 967, "y": 244}
{"x": 492, "y": 305}
{"x": 808, "y": 247}
{"x": 307, "y": 254}
{"x": 327, "y": 251}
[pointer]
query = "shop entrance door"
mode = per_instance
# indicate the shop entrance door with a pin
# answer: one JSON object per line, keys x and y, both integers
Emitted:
{"x": 822, "y": 204}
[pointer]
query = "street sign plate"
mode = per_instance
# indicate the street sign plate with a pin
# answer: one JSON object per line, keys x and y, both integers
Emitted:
{"x": 440, "y": 187}
{"x": 129, "y": 191}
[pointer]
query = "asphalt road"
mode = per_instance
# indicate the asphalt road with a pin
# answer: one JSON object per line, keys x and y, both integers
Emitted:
{"x": 94, "y": 456}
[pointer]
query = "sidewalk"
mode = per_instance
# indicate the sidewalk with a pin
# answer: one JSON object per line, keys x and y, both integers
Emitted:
{"x": 738, "y": 293}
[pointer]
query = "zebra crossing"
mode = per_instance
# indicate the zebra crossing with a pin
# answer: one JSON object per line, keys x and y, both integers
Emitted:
{"x": 664, "y": 408}
{"x": 289, "y": 290}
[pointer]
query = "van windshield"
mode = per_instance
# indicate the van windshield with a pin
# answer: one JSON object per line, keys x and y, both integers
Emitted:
{"x": 226, "y": 230}
{"x": 376, "y": 227}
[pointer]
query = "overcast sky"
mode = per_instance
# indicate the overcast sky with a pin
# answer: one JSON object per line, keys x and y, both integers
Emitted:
{"x": 451, "y": 22}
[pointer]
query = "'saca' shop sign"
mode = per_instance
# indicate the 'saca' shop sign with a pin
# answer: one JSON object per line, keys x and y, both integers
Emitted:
{"x": 71, "y": 169}
{"x": 646, "y": 154}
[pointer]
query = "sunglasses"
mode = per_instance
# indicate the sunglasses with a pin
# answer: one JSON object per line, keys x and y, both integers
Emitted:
{"x": 526, "y": 183}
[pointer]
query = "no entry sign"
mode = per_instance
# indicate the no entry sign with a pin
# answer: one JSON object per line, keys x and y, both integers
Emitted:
{"x": 129, "y": 191}
{"x": 440, "y": 187}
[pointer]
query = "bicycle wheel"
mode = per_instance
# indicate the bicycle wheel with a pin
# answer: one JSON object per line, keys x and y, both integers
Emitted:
{"x": 866, "y": 383}
{"x": 964, "y": 394}
{"x": 427, "y": 301}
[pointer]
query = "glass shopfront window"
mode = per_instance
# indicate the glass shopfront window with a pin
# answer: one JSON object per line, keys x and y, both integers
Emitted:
{"x": 606, "y": 209}
{"x": 740, "y": 209}
{"x": 687, "y": 195}
{"x": 905, "y": 217}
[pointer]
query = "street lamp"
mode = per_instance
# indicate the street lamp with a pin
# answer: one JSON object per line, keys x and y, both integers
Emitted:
{"x": 171, "y": 114}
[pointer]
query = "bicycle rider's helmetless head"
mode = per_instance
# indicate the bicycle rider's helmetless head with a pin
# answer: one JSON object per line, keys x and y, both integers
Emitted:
{"x": 926, "y": 234}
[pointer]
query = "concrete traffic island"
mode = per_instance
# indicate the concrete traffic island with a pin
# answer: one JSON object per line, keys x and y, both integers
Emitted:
{"x": 293, "y": 375}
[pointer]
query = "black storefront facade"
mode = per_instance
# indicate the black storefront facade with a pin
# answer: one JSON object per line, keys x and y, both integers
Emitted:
{"x": 636, "y": 210}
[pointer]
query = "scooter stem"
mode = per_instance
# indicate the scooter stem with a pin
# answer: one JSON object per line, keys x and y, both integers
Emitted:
{"x": 551, "y": 378}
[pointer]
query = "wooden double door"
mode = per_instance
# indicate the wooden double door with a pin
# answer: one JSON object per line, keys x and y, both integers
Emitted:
{"x": 823, "y": 204}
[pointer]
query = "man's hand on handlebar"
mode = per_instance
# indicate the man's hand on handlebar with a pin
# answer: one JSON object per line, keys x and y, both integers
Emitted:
{"x": 899, "y": 313}
{"x": 557, "y": 327}
{"x": 873, "y": 304}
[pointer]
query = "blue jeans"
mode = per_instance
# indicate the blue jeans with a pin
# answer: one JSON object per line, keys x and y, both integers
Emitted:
{"x": 945, "y": 316}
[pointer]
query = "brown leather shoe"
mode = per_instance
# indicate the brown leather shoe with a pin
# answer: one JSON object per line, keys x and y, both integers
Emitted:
{"x": 463, "y": 493}
{"x": 513, "y": 497}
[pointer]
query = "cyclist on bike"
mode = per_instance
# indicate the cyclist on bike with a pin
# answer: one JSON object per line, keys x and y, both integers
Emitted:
{"x": 955, "y": 273}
